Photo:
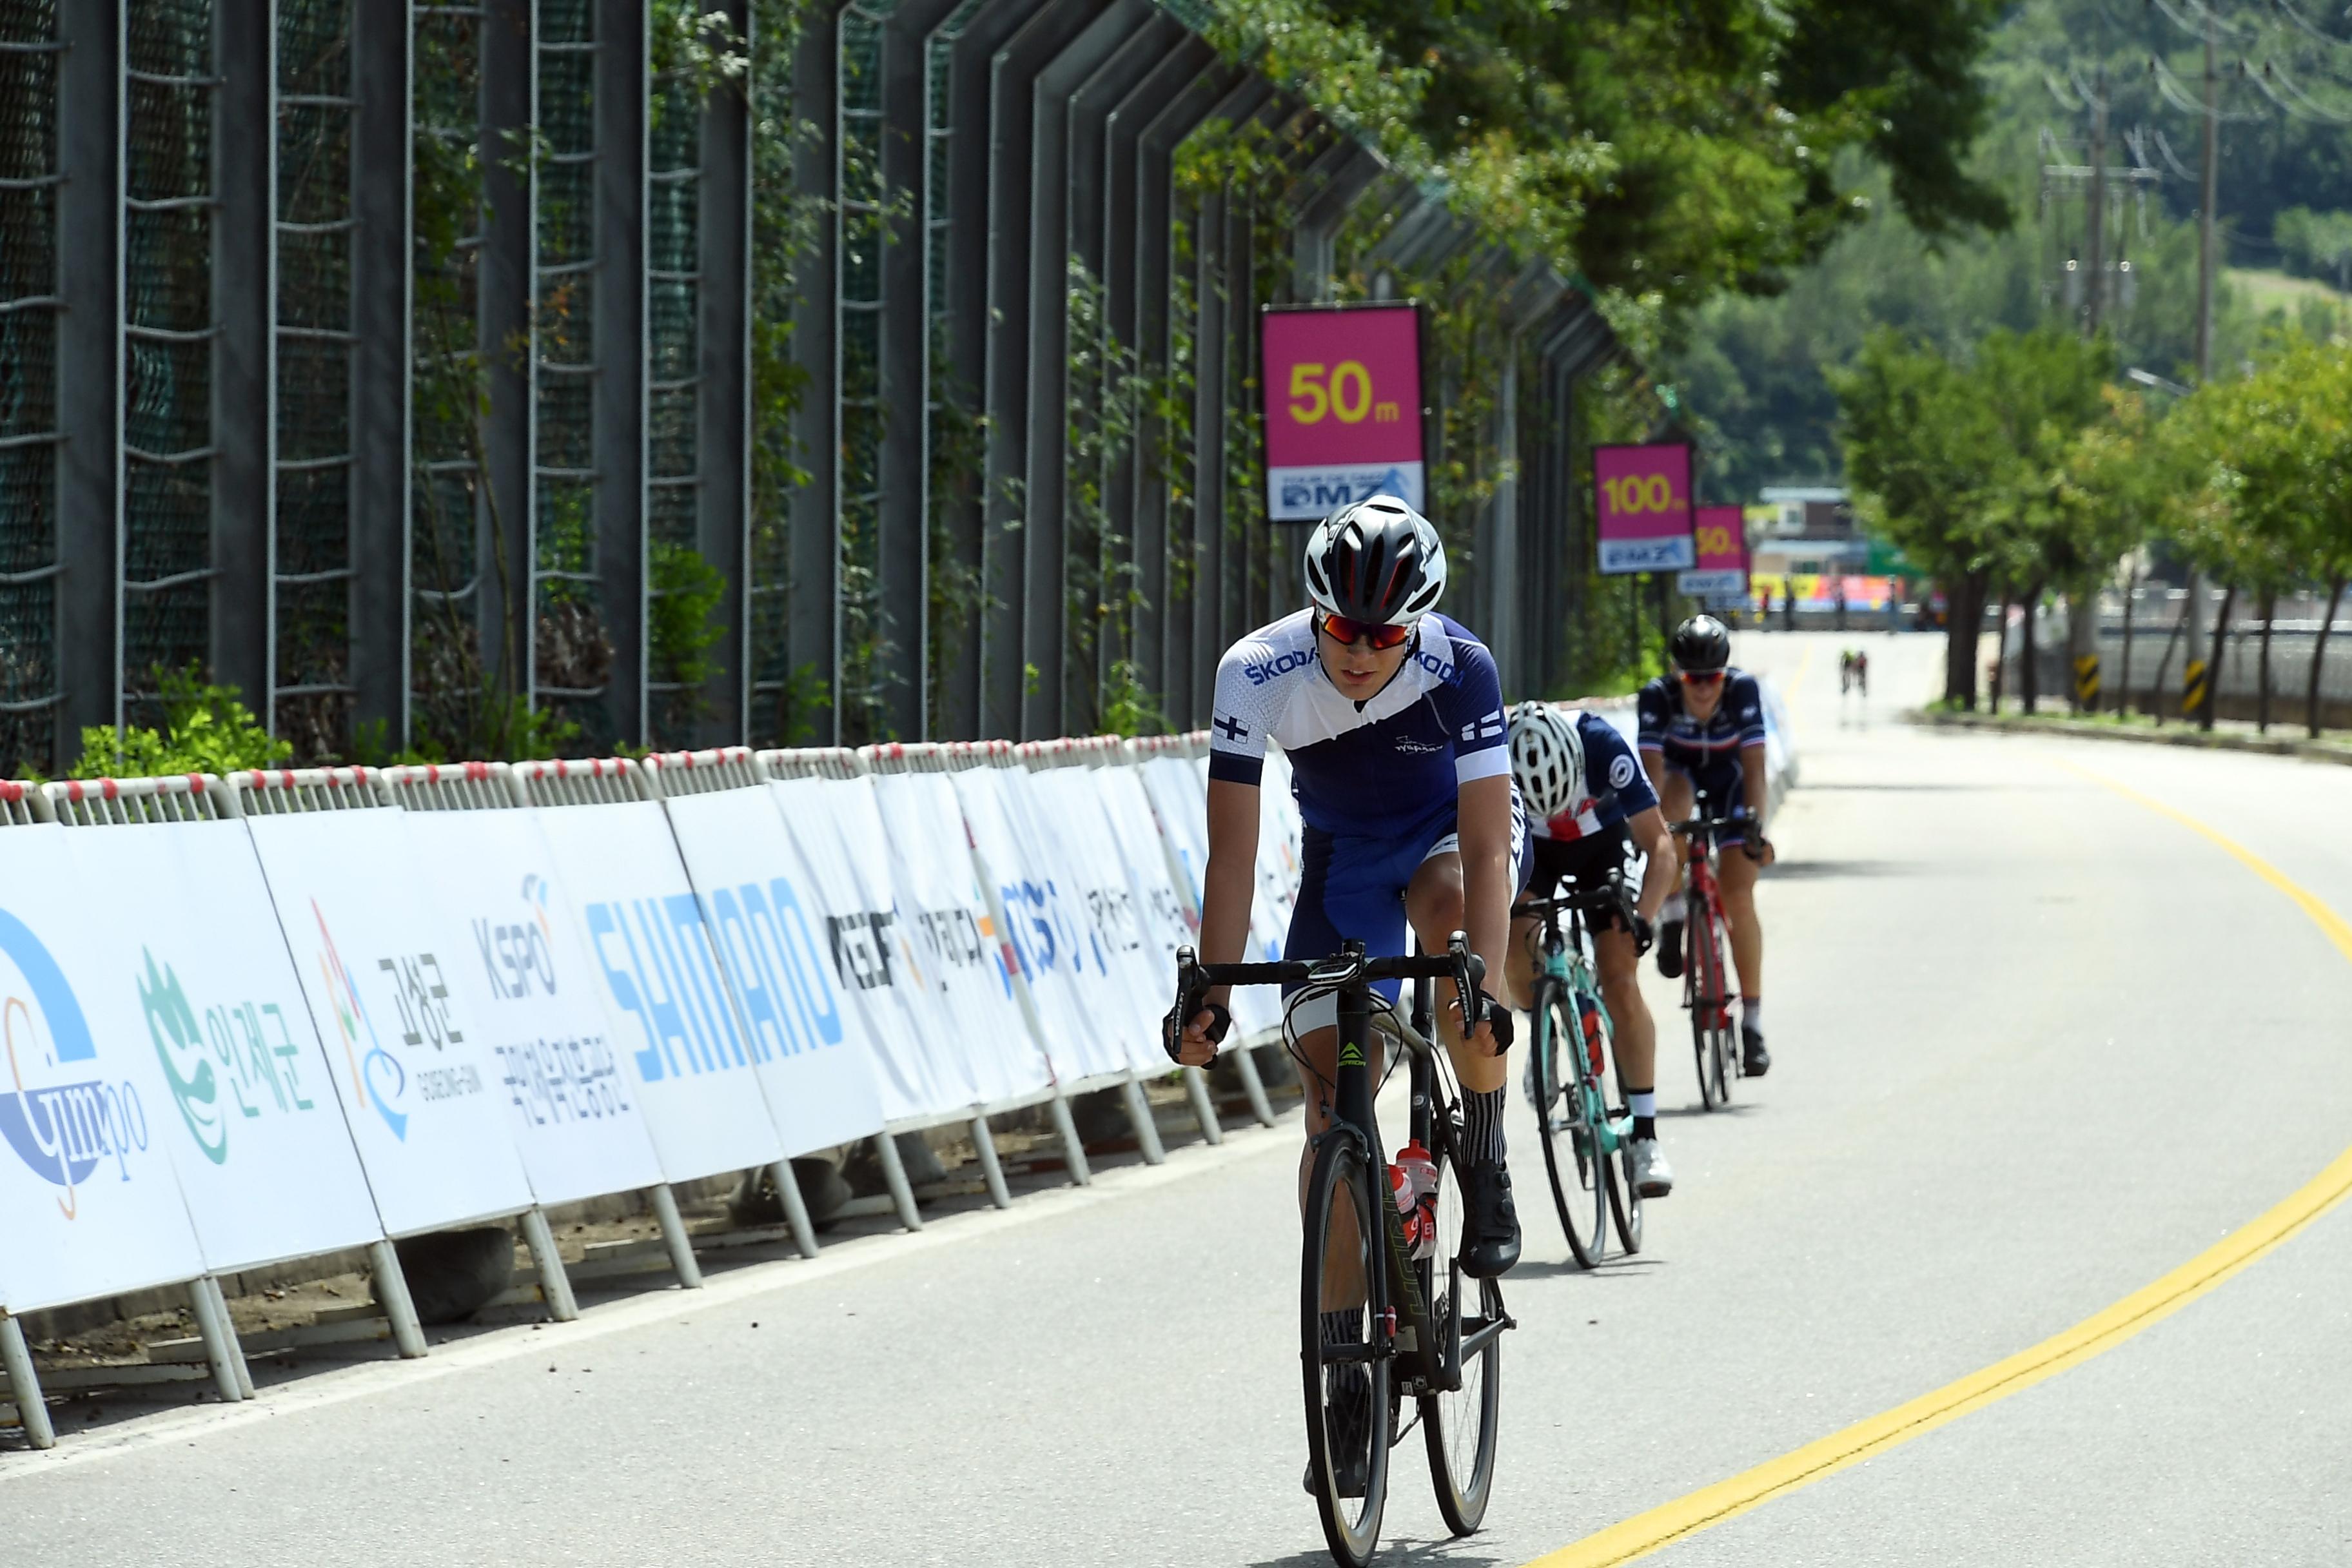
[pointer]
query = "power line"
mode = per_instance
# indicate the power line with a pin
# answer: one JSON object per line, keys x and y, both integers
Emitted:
{"x": 2292, "y": 100}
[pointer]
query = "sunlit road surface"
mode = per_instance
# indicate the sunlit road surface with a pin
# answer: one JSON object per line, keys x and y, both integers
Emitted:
{"x": 2037, "y": 1043}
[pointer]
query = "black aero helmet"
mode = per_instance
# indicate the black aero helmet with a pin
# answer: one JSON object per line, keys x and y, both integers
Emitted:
{"x": 1376, "y": 561}
{"x": 1701, "y": 643}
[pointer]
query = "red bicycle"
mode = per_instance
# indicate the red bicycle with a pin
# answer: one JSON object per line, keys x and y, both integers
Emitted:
{"x": 1707, "y": 979}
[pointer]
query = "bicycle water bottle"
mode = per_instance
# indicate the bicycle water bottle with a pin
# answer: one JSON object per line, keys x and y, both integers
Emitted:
{"x": 1588, "y": 1014}
{"x": 1417, "y": 1198}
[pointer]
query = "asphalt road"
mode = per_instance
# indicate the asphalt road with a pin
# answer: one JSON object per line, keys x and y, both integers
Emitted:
{"x": 2036, "y": 1044}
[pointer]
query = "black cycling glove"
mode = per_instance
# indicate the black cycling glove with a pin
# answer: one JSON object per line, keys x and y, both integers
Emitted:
{"x": 1755, "y": 845}
{"x": 1646, "y": 936}
{"x": 1171, "y": 1033}
{"x": 1499, "y": 1020}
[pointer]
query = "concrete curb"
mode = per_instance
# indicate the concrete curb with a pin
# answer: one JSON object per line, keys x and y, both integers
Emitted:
{"x": 2172, "y": 735}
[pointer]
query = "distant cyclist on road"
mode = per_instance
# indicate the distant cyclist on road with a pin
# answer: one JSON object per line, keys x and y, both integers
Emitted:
{"x": 1588, "y": 804}
{"x": 1701, "y": 733}
{"x": 1391, "y": 716}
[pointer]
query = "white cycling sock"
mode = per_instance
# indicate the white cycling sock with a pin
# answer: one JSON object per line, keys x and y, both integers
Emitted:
{"x": 1752, "y": 1013}
{"x": 1671, "y": 912}
{"x": 1643, "y": 1102}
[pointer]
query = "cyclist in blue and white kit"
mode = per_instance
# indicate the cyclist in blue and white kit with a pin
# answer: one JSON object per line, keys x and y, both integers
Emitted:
{"x": 1702, "y": 734}
{"x": 1391, "y": 716}
{"x": 1590, "y": 808}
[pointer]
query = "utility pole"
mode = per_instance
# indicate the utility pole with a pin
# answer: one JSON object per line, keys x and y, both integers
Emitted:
{"x": 2098, "y": 279}
{"x": 2205, "y": 207}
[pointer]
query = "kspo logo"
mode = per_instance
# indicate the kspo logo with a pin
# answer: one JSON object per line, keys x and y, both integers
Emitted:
{"x": 60, "y": 1118}
{"x": 1282, "y": 664}
{"x": 519, "y": 956}
{"x": 861, "y": 949}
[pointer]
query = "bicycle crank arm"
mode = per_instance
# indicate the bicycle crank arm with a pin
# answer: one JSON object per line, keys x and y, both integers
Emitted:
{"x": 1477, "y": 1339}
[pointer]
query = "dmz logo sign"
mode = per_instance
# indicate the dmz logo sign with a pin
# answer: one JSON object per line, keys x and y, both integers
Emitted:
{"x": 55, "y": 1113}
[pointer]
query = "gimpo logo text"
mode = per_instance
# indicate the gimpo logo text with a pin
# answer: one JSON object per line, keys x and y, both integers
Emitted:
{"x": 56, "y": 1113}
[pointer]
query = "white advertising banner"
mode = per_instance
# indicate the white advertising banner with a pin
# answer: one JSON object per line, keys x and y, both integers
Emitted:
{"x": 815, "y": 1065}
{"x": 1178, "y": 793}
{"x": 919, "y": 1065}
{"x": 1047, "y": 930}
{"x": 1167, "y": 912}
{"x": 665, "y": 1006}
{"x": 1127, "y": 975}
{"x": 527, "y": 979}
{"x": 90, "y": 1202}
{"x": 418, "y": 1078}
{"x": 940, "y": 900}
{"x": 198, "y": 976}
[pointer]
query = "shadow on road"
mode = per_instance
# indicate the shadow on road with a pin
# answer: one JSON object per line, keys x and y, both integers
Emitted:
{"x": 1465, "y": 1551}
{"x": 1615, "y": 1266}
{"x": 1828, "y": 870}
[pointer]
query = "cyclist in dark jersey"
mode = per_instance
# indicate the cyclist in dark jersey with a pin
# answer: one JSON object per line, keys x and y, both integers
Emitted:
{"x": 1392, "y": 717}
{"x": 1702, "y": 738}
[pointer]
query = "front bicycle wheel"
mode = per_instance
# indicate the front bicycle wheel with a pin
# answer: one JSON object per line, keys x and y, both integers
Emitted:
{"x": 1343, "y": 1356}
{"x": 1710, "y": 1006}
{"x": 1460, "y": 1428}
{"x": 1572, "y": 1149}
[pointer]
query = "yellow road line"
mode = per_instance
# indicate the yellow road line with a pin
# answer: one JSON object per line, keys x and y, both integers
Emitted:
{"x": 1663, "y": 1526}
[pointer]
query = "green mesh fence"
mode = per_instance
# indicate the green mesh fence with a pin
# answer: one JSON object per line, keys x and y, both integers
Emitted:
{"x": 673, "y": 393}
{"x": 313, "y": 587}
{"x": 572, "y": 655}
{"x": 444, "y": 652}
{"x": 168, "y": 94}
{"x": 28, "y": 368}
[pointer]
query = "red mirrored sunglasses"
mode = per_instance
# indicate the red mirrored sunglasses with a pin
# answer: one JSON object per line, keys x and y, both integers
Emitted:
{"x": 1377, "y": 635}
{"x": 1701, "y": 677}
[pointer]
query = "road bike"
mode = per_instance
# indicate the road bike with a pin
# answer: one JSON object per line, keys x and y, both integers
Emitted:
{"x": 1403, "y": 1327}
{"x": 1706, "y": 979}
{"x": 1588, "y": 1147}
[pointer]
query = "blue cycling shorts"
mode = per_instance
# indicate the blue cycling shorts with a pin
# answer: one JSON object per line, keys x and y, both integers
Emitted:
{"x": 1718, "y": 787}
{"x": 1351, "y": 887}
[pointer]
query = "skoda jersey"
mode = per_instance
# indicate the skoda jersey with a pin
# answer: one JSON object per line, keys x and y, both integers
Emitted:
{"x": 1608, "y": 766}
{"x": 1381, "y": 769}
{"x": 1701, "y": 747}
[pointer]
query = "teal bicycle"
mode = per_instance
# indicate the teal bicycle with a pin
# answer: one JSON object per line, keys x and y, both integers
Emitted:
{"x": 1586, "y": 1145}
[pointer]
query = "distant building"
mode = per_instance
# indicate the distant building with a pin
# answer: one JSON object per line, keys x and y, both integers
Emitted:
{"x": 1805, "y": 531}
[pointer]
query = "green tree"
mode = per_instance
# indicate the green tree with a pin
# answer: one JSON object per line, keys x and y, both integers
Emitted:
{"x": 2320, "y": 241}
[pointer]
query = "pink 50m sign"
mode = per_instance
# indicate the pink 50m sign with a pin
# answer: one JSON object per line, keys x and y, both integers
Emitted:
{"x": 1342, "y": 407}
{"x": 1643, "y": 499}
{"x": 1722, "y": 570}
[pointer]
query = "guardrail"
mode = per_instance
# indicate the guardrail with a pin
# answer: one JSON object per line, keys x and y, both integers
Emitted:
{"x": 487, "y": 989}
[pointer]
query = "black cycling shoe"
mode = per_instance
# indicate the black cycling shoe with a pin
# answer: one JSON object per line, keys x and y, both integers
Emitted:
{"x": 1349, "y": 1414}
{"x": 1755, "y": 1062}
{"x": 1490, "y": 1222}
{"x": 1670, "y": 949}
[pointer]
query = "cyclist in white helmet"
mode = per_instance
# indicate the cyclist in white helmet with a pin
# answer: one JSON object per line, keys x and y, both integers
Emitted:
{"x": 1588, "y": 806}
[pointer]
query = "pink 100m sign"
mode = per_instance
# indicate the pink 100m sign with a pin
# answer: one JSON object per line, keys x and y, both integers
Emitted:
{"x": 1342, "y": 407}
{"x": 1643, "y": 499}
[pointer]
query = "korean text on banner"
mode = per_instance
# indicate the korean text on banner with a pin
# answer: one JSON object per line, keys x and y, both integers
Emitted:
{"x": 1180, "y": 804}
{"x": 200, "y": 977}
{"x": 916, "y": 1063}
{"x": 666, "y": 1007}
{"x": 418, "y": 1078}
{"x": 972, "y": 965}
{"x": 1342, "y": 407}
{"x": 531, "y": 986}
{"x": 1720, "y": 541}
{"x": 91, "y": 1201}
{"x": 1643, "y": 498}
{"x": 1129, "y": 975}
{"x": 774, "y": 924}
{"x": 1048, "y": 935}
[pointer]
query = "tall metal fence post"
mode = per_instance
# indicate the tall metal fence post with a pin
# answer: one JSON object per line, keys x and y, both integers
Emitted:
{"x": 382, "y": 203}
{"x": 90, "y": 365}
{"x": 723, "y": 408}
{"x": 24, "y": 1384}
{"x": 622, "y": 420}
{"x": 244, "y": 359}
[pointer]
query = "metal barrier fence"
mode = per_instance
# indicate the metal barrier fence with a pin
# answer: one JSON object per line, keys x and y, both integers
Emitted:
{"x": 500, "y": 414}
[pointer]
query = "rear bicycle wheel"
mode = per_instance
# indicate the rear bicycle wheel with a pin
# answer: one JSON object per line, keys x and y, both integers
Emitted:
{"x": 1349, "y": 1411}
{"x": 1624, "y": 1197}
{"x": 1572, "y": 1148}
{"x": 1460, "y": 1428}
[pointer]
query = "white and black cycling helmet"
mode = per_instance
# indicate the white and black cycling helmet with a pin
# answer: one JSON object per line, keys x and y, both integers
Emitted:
{"x": 1547, "y": 758}
{"x": 1377, "y": 562}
